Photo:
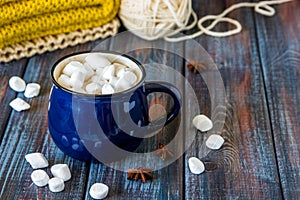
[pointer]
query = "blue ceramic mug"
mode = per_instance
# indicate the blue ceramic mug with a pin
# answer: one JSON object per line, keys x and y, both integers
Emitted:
{"x": 85, "y": 125}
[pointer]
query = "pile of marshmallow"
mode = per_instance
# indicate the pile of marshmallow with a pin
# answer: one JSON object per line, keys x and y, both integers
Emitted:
{"x": 18, "y": 85}
{"x": 97, "y": 75}
{"x": 61, "y": 173}
{"x": 213, "y": 142}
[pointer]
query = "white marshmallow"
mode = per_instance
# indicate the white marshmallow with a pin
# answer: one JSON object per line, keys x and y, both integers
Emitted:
{"x": 99, "y": 191}
{"x": 72, "y": 67}
{"x": 32, "y": 90}
{"x": 17, "y": 84}
{"x": 196, "y": 166}
{"x": 100, "y": 71}
{"x": 113, "y": 80}
{"x": 77, "y": 79}
{"x": 19, "y": 104}
{"x": 56, "y": 184}
{"x": 89, "y": 72}
{"x": 94, "y": 88}
{"x": 64, "y": 80}
{"x": 61, "y": 171}
{"x": 108, "y": 72}
{"x": 96, "y": 79}
{"x": 130, "y": 77}
{"x": 37, "y": 160}
{"x": 214, "y": 141}
{"x": 202, "y": 123}
{"x": 39, "y": 177}
{"x": 122, "y": 84}
{"x": 120, "y": 72}
{"x": 79, "y": 90}
{"x": 107, "y": 89}
{"x": 95, "y": 60}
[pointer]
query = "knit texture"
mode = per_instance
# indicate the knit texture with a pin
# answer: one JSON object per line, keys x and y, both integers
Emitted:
{"x": 25, "y": 20}
{"x": 59, "y": 41}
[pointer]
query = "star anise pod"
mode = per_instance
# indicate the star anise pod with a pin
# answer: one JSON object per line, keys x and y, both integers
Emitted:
{"x": 164, "y": 151}
{"x": 139, "y": 173}
{"x": 195, "y": 66}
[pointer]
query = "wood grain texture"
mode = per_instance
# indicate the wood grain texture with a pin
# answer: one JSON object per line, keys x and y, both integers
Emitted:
{"x": 15, "y": 68}
{"x": 238, "y": 59}
{"x": 260, "y": 159}
{"x": 167, "y": 182}
{"x": 279, "y": 47}
{"x": 27, "y": 132}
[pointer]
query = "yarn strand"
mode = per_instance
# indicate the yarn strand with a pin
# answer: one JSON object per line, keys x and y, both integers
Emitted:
{"x": 262, "y": 7}
{"x": 154, "y": 19}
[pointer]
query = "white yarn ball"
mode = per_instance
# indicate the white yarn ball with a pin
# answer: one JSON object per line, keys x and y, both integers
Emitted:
{"x": 153, "y": 19}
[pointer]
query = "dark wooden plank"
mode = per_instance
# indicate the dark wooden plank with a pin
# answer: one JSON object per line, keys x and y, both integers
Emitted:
{"x": 7, "y": 70}
{"x": 167, "y": 182}
{"x": 246, "y": 165}
{"x": 27, "y": 132}
{"x": 279, "y": 47}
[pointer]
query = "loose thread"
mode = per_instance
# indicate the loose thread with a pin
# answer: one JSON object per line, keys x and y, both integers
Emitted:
{"x": 263, "y": 8}
{"x": 153, "y": 19}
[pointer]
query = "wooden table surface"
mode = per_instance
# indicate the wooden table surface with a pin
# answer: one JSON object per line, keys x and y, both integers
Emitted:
{"x": 260, "y": 159}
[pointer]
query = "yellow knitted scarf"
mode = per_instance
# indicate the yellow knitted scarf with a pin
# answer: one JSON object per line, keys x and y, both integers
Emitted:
{"x": 23, "y": 20}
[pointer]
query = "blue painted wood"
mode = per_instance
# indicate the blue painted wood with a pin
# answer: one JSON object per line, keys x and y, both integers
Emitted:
{"x": 279, "y": 44}
{"x": 167, "y": 182}
{"x": 259, "y": 69}
{"x": 252, "y": 171}
{"x": 7, "y": 70}
{"x": 27, "y": 132}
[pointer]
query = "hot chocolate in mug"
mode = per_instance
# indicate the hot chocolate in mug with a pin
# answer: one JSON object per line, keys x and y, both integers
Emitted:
{"x": 79, "y": 120}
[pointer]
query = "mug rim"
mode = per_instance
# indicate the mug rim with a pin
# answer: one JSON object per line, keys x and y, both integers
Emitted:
{"x": 137, "y": 85}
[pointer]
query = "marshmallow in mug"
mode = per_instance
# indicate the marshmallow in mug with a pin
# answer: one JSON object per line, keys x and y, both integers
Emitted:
{"x": 96, "y": 74}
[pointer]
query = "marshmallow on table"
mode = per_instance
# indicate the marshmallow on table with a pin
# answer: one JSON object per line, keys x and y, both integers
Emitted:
{"x": 107, "y": 89}
{"x": 32, "y": 90}
{"x": 61, "y": 171}
{"x": 214, "y": 141}
{"x": 56, "y": 184}
{"x": 99, "y": 191}
{"x": 37, "y": 160}
{"x": 39, "y": 177}
{"x": 196, "y": 166}
{"x": 17, "y": 84}
{"x": 96, "y": 61}
{"x": 19, "y": 104}
{"x": 202, "y": 123}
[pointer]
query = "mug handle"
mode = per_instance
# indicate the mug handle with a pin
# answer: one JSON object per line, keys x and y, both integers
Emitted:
{"x": 159, "y": 86}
